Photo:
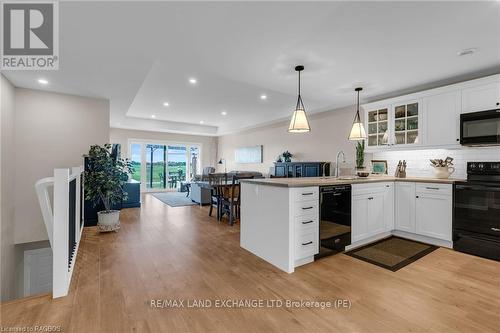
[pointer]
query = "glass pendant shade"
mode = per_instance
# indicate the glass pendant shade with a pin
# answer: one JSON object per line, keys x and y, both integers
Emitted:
{"x": 358, "y": 130}
{"x": 299, "y": 122}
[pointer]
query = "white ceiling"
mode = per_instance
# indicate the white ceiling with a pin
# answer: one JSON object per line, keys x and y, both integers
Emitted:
{"x": 139, "y": 55}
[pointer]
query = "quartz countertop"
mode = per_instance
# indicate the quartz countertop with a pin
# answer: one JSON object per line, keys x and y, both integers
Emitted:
{"x": 322, "y": 181}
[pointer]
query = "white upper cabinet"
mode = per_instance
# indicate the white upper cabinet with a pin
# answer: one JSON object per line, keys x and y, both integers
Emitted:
{"x": 481, "y": 98}
{"x": 406, "y": 123}
{"x": 442, "y": 118}
{"x": 430, "y": 118}
{"x": 378, "y": 126}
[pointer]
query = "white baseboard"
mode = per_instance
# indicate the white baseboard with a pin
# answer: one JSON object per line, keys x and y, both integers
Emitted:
{"x": 423, "y": 239}
{"x": 368, "y": 240}
{"x": 402, "y": 234}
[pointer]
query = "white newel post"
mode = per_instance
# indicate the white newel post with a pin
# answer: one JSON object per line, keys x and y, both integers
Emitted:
{"x": 60, "y": 283}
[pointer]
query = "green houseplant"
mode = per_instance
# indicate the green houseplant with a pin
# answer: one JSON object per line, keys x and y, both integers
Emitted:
{"x": 103, "y": 181}
{"x": 287, "y": 156}
{"x": 360, "y": 155}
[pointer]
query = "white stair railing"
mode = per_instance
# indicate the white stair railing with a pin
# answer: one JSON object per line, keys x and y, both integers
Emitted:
{"x": 63, "y": 218}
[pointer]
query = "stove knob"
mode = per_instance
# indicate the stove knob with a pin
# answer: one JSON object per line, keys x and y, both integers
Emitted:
{"x": 473, "y": 166}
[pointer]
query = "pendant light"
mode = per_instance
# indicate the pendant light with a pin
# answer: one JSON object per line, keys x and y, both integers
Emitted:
{"x": 357, "y": 130}
{"x": 299, "y": 122}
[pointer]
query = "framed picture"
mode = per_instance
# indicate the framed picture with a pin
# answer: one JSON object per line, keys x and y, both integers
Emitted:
{"x": 379, "y": 167}
{"x": 251, "y": 154}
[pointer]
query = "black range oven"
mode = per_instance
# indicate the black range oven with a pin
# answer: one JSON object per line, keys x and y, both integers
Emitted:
{"x": 335, "y": 219}
{"x": 476, "y": 223}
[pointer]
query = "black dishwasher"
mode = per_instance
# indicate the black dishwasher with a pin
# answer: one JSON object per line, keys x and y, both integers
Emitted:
{"x": 335, "y": 219}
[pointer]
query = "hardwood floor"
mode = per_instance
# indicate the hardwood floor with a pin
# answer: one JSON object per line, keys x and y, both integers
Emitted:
{"x": 180, "y": 253}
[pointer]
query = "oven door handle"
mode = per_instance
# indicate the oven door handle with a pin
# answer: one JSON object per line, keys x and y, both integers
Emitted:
{"x": 478, "y": 188}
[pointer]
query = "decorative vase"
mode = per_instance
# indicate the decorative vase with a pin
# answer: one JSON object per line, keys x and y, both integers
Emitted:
{"x": 108, "y": 220}
{"x": 443, "y": 172}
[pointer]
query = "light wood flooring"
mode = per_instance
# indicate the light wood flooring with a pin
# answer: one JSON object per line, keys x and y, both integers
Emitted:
{"x": 180, "y": 253}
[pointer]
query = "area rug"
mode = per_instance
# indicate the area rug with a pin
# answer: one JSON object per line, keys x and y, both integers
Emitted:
{"x": 174, "y": 199}
{"x": 392, "y": 253}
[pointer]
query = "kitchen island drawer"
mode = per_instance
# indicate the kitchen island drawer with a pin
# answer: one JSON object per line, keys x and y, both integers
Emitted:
{"x": 309, "y": 208}
{"x": 306, "y": 244}
{"x": 305, "y": 194}
{"x": 306, "y": 223}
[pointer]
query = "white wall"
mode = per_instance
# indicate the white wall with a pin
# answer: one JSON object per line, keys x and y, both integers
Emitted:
{"x": 418, "y": 163}
{"x": 7, "y": 180}
{"x": 51, "y": 131}
{"x": 208, "y": 143}
{"x": 329, "y": 132}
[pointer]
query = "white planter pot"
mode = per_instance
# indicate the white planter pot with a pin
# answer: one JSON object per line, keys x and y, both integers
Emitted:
{"x": 108, "y": 220}
{"x": 443, "y": 172}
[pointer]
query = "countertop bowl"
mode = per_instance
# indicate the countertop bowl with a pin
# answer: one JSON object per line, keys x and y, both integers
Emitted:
{"x": 363, "y": 174}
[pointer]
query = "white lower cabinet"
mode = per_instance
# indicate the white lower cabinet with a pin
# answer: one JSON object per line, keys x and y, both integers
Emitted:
{"x": 421, "y": 209}
{"x": 372, "y": 210}
{"x": 433, "y": 212}
{"x": 405, "y": 207}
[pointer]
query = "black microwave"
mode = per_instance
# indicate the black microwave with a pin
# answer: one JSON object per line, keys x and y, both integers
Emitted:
{"x": 480, "y": 128}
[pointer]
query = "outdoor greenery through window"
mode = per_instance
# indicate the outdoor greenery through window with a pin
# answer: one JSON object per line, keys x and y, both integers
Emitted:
{"x": 164, "y": 166}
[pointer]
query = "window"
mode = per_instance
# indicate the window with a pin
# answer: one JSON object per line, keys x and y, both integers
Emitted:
{"x": 163, "y": 166}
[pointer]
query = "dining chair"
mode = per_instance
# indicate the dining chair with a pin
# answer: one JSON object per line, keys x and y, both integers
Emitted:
{"x": 231, "y": 198}
{"x": 216, "y": 181}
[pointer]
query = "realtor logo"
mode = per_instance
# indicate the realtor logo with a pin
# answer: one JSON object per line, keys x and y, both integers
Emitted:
{"x": 29, "y": 35}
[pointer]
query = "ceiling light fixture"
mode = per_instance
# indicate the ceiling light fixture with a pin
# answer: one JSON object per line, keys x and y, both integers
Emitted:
{"x": 357, "y": 130}
{"x": 299, "y": 122}
{"x": 465, "y": 52}
{"x": 43, "y": 81}
{"x": 166, "y": 104}
{"x": 202, "y": 122}
{"x": 263, "y": 97}
{"x": 193, "y": 80}
{"x": 224, "y": 113}
{"x": 153, "y": 116}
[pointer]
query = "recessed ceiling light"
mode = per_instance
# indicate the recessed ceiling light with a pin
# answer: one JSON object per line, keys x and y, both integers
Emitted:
{"x": 153, "y": 116}
{"x": 165, "y": 104}
{"x": 193, "y": 80}
{"x": 465, "y": 52}
{"x": 224, "y": 113}
{"x": 202, "y": 122}
{"x": 263, "y": 97}
{"x": 43, "y": 81}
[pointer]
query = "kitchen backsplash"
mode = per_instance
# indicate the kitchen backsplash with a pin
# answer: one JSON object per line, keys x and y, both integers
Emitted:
{"x": 418, "y": 164}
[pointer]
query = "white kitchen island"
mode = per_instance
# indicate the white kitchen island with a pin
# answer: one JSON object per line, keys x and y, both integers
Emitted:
{"x": 280, "y": 217}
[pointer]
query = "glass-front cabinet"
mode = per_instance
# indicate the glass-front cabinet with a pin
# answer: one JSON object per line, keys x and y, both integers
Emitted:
{"x": 406, "y": 123}
{"x": 378, "y": 127}
{"x": 394, "y": 124}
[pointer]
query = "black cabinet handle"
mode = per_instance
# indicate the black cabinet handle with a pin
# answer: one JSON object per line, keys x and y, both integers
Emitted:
{"x": 370, "y": 198}
{"x": 432, "y": 188}
{"x": 417, "y": 197}
{"x": 307, "y": 222}
{"x": 304, "y": 208}
{"x": 310, "y": 193}
{"x": 458, "y": 139}
{"x": 307, "y": 243}
{"x": 498, "y": 103}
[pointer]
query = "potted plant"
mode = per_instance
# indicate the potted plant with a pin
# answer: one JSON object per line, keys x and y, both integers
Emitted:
{"x": 360, "y": 154}
{"x": 287, "y": 156}
{"x": 103, "y": 181}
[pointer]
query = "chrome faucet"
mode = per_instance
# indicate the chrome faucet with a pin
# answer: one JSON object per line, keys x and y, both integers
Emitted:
{"x": 337, "y": 169}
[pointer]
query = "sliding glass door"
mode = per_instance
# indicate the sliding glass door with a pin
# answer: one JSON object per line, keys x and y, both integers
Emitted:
{"x": 162, "y": 166}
